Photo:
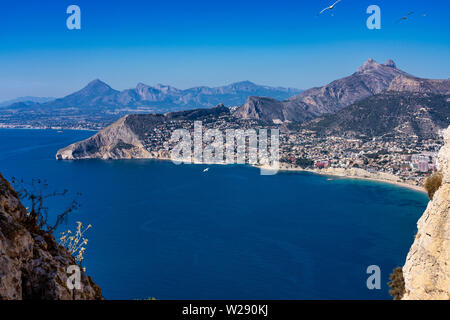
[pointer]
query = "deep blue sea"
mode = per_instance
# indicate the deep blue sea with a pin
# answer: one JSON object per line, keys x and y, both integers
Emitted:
{"x": 173, "y": 232}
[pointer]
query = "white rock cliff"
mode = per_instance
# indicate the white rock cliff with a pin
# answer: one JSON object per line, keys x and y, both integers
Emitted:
{"x": 427, "y": 268}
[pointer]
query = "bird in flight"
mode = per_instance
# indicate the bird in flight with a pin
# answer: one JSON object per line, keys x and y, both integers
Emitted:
{"x": 405, "y": 17}
{"x": 330, "y": 7}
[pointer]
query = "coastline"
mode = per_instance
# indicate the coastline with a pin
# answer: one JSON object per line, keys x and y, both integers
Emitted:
{"x": 359, "y": 174}
{"x": 54, "y": 129}
{"x": 353, "y": 173}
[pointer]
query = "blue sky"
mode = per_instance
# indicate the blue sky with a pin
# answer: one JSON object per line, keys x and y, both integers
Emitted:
{"x": 198, "y": 42}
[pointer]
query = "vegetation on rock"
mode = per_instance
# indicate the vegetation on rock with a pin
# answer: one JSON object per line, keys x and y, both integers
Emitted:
{"x": 433, "y": 183}
{"x": 397, "y": 284}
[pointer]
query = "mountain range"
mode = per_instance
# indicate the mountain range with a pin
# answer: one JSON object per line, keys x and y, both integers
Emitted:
{"x": 100, "y": 104}
{"x": 98, "y": 94}
{"x": 409, "y": 106}
{"x": 27, "y": 99}
{"x": 370, "y": 79}
{"x": 378, "y": 100}
{"x": 366, "y": 96}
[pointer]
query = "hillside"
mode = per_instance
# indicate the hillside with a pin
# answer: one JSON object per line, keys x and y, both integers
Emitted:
{"x": 370, "y": 79}
{"x": 425, "y": 86}
{"x": 388, "y": 114}
{"x": 32, "y": 264}
{"x": 125, "y": 139}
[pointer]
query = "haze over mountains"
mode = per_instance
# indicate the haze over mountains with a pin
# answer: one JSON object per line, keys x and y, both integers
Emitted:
{"x": 363, "y": 98}
{"x": 98, "y": 94}
{"x": 98, "y": 104}
{"x": 27, "y": 99}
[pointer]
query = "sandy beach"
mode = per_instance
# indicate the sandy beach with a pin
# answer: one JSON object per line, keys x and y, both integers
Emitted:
{"x": 353, "y": 173}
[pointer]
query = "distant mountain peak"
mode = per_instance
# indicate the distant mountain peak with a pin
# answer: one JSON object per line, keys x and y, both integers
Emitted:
{"x": 141, "y": 86}
{"x": 368, "y": 65}
{"x": 370, "y": 79}
{"x": 163, "y": 86}
{"x": 390, "y": 63}
{"x": 371, "y": 64}
{"x": 97, "y": 103}
{"x": 94, "y": 90}
{"x": 96, "y": 83}
{"x": 167, "y": 89}
{"x": 97, "y": 87}
{"x": 245, "y": 82}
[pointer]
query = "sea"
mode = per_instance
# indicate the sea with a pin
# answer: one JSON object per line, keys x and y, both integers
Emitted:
{"x": 167, "y": 231}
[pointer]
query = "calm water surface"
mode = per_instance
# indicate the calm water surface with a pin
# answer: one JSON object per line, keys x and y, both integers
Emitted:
{"x": 173, "y": 232}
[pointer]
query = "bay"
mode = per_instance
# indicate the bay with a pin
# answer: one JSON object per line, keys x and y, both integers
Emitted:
{"x": 175, "y": 232}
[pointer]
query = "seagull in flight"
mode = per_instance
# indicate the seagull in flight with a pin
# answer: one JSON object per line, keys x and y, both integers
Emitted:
{"x": 405, "y": 17}
{"x": 330, "y": 7}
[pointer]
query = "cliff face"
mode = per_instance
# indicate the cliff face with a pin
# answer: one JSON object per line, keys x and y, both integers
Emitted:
{"x": 427, "y": 268}
{"x": 116, "y": 141}
{"x": 411, "y": 84}
{"x": 32, "y": 264}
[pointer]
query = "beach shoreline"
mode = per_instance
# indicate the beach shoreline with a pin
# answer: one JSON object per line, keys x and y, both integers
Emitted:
{"x": 358, "y": 174}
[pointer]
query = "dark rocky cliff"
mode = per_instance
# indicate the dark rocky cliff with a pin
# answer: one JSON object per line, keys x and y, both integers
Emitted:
{"x": 32, "y": 264}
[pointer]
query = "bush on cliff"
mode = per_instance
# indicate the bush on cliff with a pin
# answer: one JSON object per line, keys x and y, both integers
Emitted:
{"x": 397, "y": 284}
{"x": 433, "y": 183}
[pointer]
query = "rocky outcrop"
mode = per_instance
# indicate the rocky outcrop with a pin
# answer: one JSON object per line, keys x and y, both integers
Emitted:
{"x": 268, "y": 109}
{"x": 427, "y": 269}
{"x": 124, "y": 139}
{"x": 116, "y": 141}
{"x": 260, "y": 108}
{"x": 412, "y": 84}
{"x": 32, "y": 264}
